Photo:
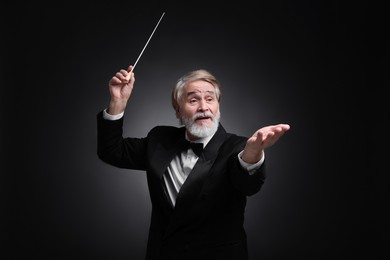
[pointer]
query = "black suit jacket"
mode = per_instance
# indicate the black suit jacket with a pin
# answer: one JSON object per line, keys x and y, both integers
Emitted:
{"x": 207, "y": 220}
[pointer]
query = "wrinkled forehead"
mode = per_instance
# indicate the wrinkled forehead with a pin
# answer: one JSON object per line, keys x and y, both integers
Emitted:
{"x": 199, "y": 87}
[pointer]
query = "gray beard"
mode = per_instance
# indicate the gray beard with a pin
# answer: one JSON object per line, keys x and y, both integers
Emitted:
{"x": 201, "y": 131}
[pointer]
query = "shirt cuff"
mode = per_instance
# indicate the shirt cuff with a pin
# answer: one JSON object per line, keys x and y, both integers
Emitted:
{"x": 112, "y": 117}
{"x": 251, "y": 167}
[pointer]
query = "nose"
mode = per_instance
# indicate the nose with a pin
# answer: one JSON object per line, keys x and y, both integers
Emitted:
{"x": 203, "y": 106}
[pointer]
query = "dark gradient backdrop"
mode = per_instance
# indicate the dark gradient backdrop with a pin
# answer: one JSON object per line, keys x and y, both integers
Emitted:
{"x": 305, "y": 63}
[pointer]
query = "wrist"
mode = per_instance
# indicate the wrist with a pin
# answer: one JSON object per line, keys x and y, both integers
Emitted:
{"x": 252, "y": 158}
{"x": 116, "y": 107}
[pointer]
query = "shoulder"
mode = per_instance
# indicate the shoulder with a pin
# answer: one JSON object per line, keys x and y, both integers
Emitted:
{"x": 235, "y": 142}
{"x": 231, "y": 137}
{"x": 231, "y": 141}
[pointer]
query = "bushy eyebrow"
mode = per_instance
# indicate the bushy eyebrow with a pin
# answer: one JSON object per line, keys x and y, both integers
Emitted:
{"x": 210, "y": 92}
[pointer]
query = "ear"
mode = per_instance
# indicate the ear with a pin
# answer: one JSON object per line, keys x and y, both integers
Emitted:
{"x": 177, "y": 112}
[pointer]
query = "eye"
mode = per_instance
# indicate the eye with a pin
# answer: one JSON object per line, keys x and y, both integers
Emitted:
{"x": 193, "y": 101}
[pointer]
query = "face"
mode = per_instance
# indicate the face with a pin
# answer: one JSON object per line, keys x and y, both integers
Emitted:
{"x": 199, "y": 109}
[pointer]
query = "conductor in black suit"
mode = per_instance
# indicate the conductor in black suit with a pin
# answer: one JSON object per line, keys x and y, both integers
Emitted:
{"x": 199, "y": 176}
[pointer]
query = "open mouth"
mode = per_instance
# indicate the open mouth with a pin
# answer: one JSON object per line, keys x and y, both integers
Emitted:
{"x": 202, "y": 118}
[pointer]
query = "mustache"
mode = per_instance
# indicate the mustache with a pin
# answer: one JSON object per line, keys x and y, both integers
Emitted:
{"x": 202, "y": 115}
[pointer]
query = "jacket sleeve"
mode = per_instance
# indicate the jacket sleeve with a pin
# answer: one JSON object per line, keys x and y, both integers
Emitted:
{"x": 248, "y": 184}
{"x": 116, "y": 150}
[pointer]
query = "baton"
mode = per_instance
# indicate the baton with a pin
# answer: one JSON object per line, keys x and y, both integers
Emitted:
{"x": 139, "y": 56}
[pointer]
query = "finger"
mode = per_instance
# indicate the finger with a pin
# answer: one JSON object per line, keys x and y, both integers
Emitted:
{"x": 284, "y": 127}
{"x": 263, "y": 136}
{"x": 269, "y": 140}
{"x": 121, "y": 75}
{"x": 129, "y": 73}
{"x": 115, "y": 81}
{"x": 270, "y": 131}
{"x": 281, "y": 128}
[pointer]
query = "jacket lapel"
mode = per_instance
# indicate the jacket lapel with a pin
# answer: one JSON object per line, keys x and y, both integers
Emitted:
{"x": 162, "y": 156}
{"x": 192, "y": 187}
{"x": 164, "y": 153}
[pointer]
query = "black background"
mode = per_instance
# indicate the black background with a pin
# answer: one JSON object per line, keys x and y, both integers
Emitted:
{"x": 319, "y": 66}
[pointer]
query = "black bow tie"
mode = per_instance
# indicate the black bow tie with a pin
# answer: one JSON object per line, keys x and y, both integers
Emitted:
{"x": 196, "y": 147}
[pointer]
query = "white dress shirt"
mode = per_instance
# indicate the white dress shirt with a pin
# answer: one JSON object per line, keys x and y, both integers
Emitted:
{"x": 182, "y": 164}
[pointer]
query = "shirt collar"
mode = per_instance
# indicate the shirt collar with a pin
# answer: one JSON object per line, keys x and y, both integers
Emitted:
{"x": 205, "y": 140}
